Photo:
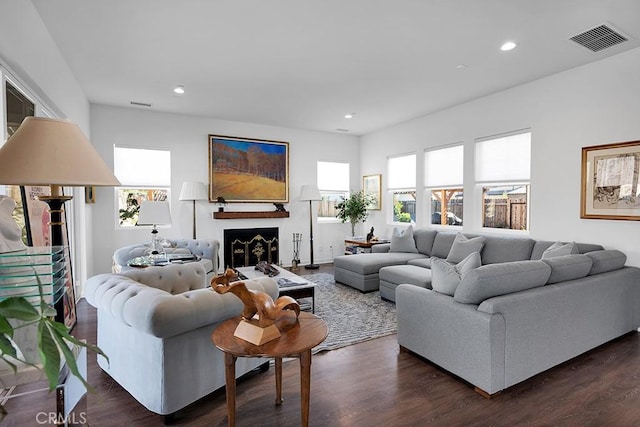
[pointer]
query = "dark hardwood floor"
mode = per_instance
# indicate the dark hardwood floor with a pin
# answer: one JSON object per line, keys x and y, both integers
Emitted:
{"x": 374, "y": 384}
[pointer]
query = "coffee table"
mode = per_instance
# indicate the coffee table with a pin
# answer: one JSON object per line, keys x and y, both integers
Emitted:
{"x": 298, "y": 337}
{"x": 296, "y": 288}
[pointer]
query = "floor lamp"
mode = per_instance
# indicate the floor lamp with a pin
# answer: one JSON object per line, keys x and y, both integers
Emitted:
{"x": 193, "y": 191}
{"x": 310, "y": 193}
{"x": 52, "y": 152}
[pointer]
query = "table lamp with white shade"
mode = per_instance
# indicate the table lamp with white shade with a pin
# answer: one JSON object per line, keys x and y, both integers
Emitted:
{"x": 53, "y": 152}
{"x": 310, "y": 193}
{"x": 193, "y": 191}
{"x": 154, "y": 213}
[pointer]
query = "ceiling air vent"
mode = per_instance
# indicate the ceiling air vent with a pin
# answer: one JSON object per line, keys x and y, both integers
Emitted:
{"x": 599, "y": 38}
{"x": 140, "y": 104}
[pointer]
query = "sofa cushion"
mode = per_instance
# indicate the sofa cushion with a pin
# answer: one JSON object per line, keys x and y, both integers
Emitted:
{"x": 445, "y": 277}
{"x": 506, "y": 249}
{"x": 560, "y": 249}
{"x": 462, "y": 247}
{"x": 499, "y": 279}
{"x": 442, "y": 244}
{"x": 424, "y": 238}
{"x": 568, "y": 267}
{"x": 422, "y": 262}
{"x": 365, "y": 264}
{"x": 402, "y": 240}
{"x": 410, "y": 274}
{"x": 606, "y": 260}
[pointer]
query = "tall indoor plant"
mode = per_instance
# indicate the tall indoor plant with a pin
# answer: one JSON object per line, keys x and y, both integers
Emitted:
{"x": 354, "y": 209}
{"x": 54, "y": 341}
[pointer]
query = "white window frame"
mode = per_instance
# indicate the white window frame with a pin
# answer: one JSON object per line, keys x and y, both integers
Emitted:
{"x": 450, "y": 183}
{"x": 141, "y": 183}
{"x": 401, "y": 184}
{"x": 514, "y": 178}
{"x": 338, "y": 188}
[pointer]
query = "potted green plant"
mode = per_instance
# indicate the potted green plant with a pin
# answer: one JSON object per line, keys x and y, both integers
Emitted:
{"x": 54, "y": 341}
{"x": 354, "y": 209}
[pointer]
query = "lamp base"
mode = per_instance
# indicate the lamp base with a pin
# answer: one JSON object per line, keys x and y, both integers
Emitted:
{"x": 312, "y": 266}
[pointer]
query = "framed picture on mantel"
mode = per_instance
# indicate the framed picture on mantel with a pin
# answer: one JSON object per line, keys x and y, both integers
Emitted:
{"x": 248, "y": 170}
{"x": 611, "y": 181}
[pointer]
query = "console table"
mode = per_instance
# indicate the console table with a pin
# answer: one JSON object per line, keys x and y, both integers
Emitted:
{"x": 298, "y": 337}
{"x": 354, "y": 245}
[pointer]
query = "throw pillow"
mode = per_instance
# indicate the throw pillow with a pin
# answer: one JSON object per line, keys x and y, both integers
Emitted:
{"x": 560, "y": 249}
{"x": 445, "y": 277}
{"x": 402, "y": 240}
{"x": 463, "y": 247}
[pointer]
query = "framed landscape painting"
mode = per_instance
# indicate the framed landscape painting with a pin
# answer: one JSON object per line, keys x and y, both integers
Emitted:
{"x": 611, "y": 181}
{"x": 248, "y": 170}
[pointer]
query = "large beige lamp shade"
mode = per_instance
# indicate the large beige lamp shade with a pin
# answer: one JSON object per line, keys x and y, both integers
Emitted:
{"x": 52, "y": 152}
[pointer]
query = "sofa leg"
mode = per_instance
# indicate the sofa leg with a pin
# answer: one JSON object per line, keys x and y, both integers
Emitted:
{"x": 484, "y": 394}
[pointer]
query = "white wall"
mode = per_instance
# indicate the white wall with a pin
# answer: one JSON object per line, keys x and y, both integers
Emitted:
{"x": 187, "y": 139}
{"x": 594, "y": 104}
{"x": 29, "y": 52}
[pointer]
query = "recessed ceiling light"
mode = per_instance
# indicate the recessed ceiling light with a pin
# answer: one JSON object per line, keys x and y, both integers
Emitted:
{"x": 349, "y": 116}
{"x": 179, "y": 89}
{"x": 508, "y": 46}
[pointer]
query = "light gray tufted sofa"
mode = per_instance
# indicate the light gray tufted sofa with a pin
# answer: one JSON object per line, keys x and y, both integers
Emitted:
{"x": 155, "y": 325}
{"x": 206, "y": 249}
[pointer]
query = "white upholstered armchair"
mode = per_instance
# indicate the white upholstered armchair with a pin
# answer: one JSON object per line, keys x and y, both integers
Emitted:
{"x": 155, "y": 325}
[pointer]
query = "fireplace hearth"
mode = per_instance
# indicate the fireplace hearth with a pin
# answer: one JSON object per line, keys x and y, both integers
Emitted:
{"x": 244, "y": 247}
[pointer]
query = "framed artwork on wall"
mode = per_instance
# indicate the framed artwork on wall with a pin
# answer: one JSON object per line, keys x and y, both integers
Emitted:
{"x": 611, "y": 181}
{"x": 372, "y": 184}
{"x": 248, "y": 170}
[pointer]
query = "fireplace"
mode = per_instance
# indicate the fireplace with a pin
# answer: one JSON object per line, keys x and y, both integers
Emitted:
{"x": 244, "y": 247}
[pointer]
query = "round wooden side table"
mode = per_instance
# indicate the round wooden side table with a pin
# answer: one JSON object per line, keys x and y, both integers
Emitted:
{"x": 298, "y": 337}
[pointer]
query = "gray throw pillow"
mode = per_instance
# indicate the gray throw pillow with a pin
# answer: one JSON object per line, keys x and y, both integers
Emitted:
{"x": 402, "y": 240}
{"x": 445, "y": 277}
{"x": 463, "y": 247}
{"x": 560, "y": 249}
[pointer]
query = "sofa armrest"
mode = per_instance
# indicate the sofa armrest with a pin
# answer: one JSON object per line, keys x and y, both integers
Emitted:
{"x": 161, "y": 314}
{"x": 381, "y": 248}
{"x": 205, "y": 248}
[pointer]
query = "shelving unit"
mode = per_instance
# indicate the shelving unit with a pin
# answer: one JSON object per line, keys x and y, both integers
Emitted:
{"x": 21, "y": 273}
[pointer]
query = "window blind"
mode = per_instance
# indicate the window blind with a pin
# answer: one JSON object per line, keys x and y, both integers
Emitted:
{"x": 141, "y": 167}
{"x": 402, "y": 172}
{"x": 505, "y": 158}
{"x": 444, "y": 167}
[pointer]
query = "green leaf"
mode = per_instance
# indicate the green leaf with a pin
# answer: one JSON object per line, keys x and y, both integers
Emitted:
{"x": 66, "y": 351}
{"x": 8, "y": 362}
{"x": 5, "y": 327}
{"x": 49, "y": 354}
{"x": 64, "y": 333}
{"x": 7, "y": 348}
{"x": 18, "y": 308}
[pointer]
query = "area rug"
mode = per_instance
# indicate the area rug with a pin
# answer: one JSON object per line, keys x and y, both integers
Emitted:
{"x": 351, "y": 316}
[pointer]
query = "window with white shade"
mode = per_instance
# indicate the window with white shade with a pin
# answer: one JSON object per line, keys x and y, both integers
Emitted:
{"x": 402, "y": 187}
{"x": 443, "y": 179}
{"x": 145, "y": 174}
{"x": 333, "y": 183}
{"x": 503, "y": 166}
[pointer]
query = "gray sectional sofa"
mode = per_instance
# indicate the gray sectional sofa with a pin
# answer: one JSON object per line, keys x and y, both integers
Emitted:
{"x": 504, "y": 310}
